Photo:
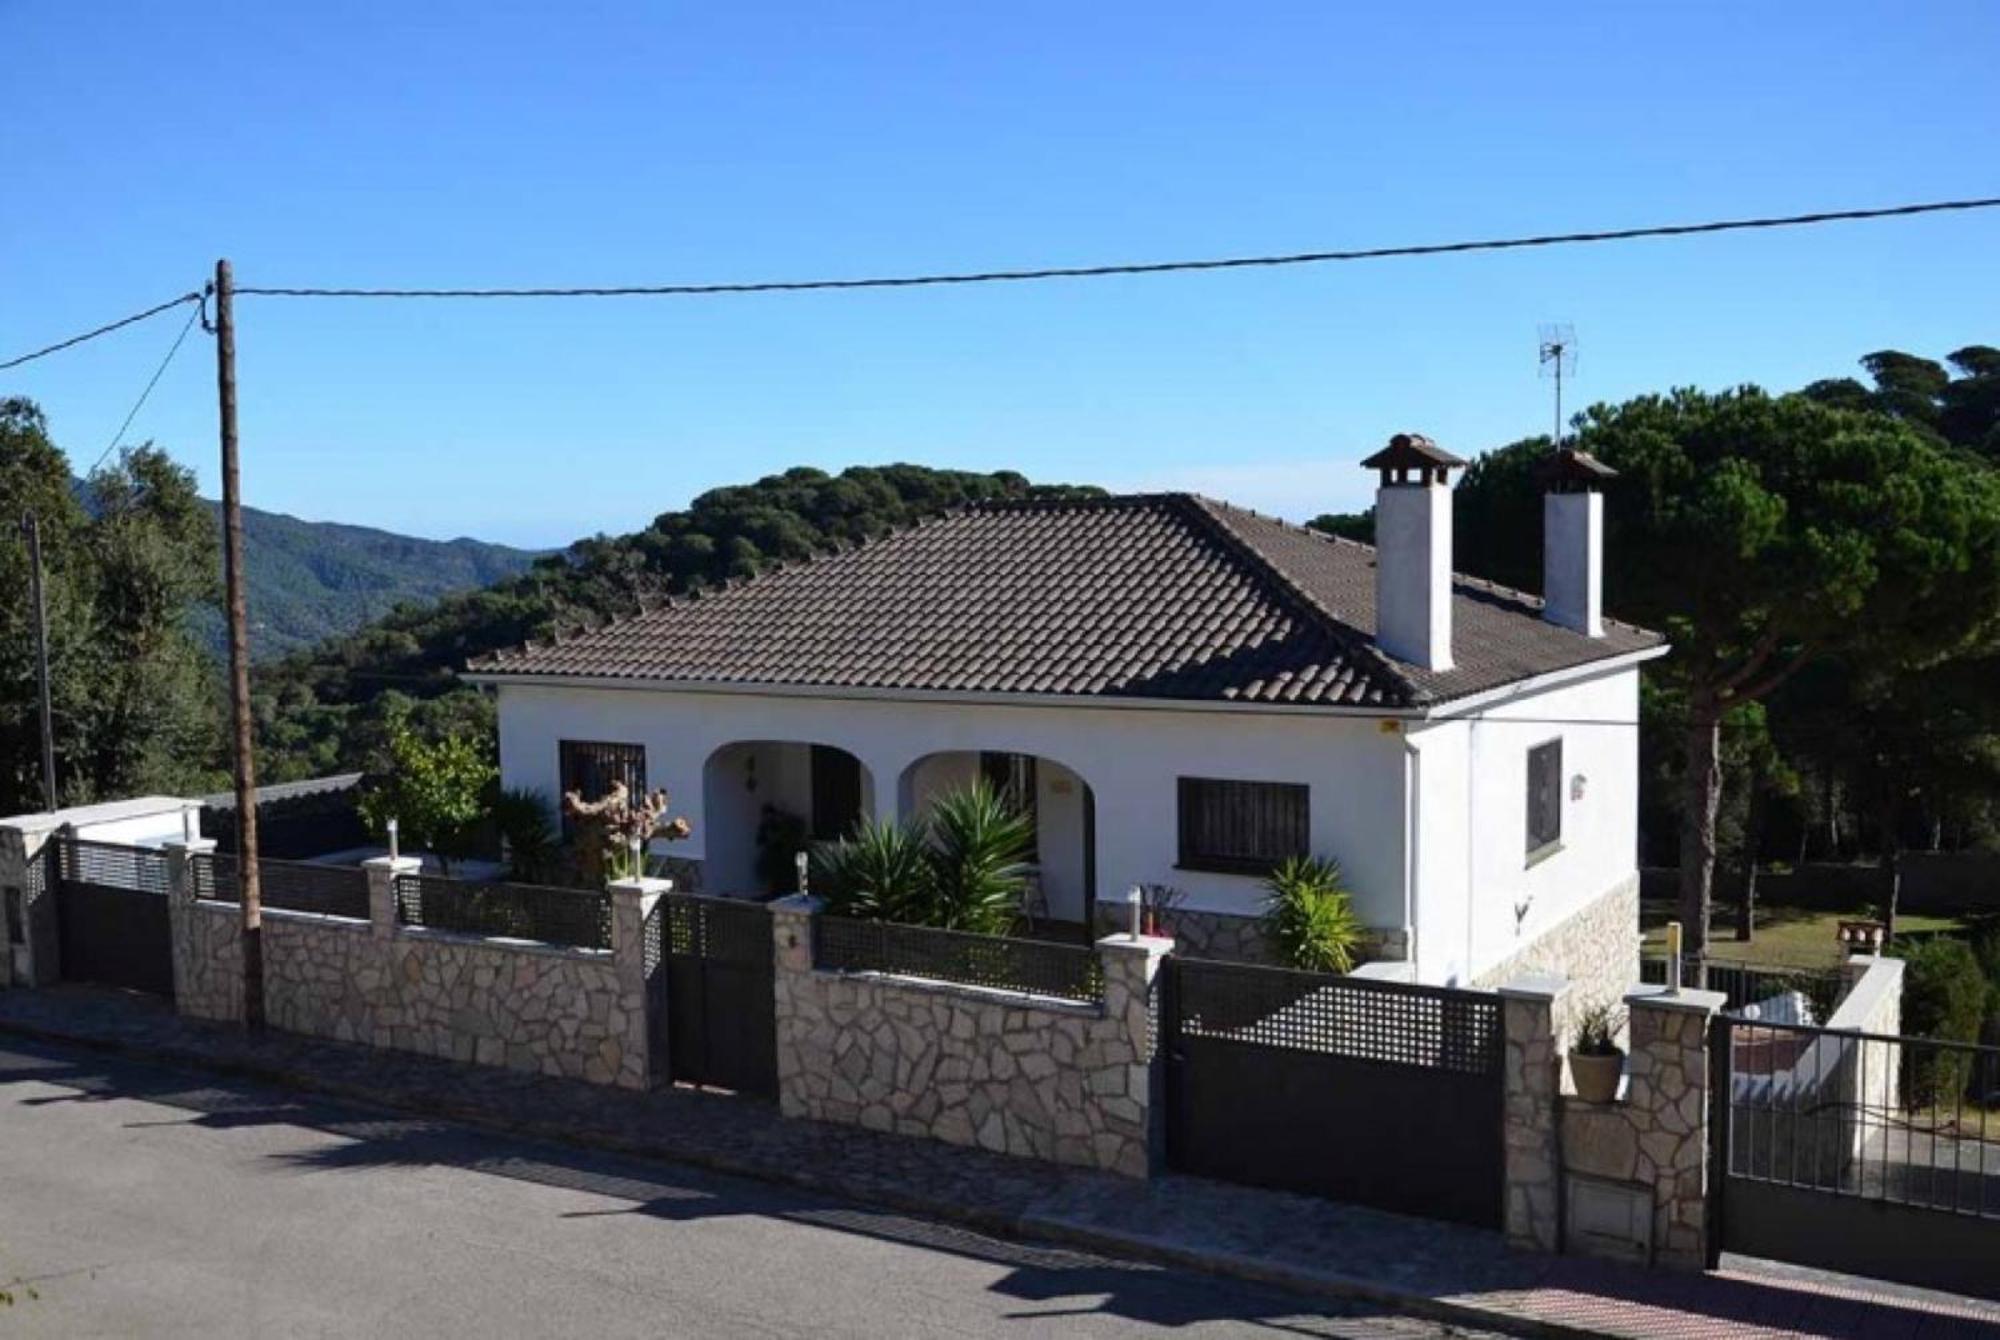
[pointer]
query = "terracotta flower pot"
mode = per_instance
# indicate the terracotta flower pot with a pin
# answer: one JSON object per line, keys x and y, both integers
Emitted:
{"x": 1596, "y": 1076}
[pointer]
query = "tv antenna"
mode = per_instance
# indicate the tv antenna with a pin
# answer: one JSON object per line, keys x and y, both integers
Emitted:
{"x": 1557, "y": 355}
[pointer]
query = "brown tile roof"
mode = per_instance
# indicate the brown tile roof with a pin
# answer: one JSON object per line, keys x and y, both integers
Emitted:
{"x": 1153, "y": 596}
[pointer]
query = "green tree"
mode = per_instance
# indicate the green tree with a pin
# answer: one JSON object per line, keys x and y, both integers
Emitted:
{"x": 154, "y": 723}
{"x": 1762, "y": 534}
{"x": 436, "y": 792}
{"x": 35, "y": 477}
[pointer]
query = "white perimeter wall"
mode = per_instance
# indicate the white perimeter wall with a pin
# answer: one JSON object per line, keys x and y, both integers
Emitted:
{"x": 1472, "y": 777}
{"x": 1130, "y": 757}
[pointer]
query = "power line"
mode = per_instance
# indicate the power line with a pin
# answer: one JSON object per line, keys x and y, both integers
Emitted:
{"x": 1144, "y": 268}
{"x": 141, "y": 402}
{"x": 119, "y": 324}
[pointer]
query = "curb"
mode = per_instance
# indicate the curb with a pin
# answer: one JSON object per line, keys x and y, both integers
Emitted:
{"x": 1022, "y": 1227}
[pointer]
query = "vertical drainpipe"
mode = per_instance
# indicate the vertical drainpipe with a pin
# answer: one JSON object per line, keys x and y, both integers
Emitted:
{"x": 1412, "y": 819}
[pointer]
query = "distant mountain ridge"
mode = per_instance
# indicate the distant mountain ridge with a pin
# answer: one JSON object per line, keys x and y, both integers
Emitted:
{"x": 311, "y": 580}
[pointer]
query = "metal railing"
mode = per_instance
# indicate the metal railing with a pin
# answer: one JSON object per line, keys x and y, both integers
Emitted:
{"x": 112, "y": 865}
{"x": 1037, "y": 967}
{"x": 1912, "y": 1121}
{"x": 291, "y": 886}
{"x": 577, "y": 918}
{"x": 1745, "y": 984}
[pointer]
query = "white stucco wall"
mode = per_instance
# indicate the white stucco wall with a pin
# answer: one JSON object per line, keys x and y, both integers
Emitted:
{"x": 1130, "y": 758}
{"x": 1472, "y": 845}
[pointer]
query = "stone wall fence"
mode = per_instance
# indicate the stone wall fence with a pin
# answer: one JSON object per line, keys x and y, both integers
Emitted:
{"x": 548, "y": 1009}
{"x": 1004, "y": 1070}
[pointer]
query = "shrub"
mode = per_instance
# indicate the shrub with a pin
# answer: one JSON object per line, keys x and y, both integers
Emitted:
{"x": 1944, "y": 997}
{"x": 1309, "y": 916}
{"x": 521, "y": 814}
{"x": 1597, "y": 1031}
{"x": 781, "y": 836}
{"x": 960, "y": 866}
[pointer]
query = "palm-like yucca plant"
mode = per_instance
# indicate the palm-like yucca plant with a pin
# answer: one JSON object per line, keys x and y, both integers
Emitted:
{"x": 1310, "y": 918}
{"x": 979, "y": 847}
{"x": 878, "y": 872}
{"x": 960, "y": 866}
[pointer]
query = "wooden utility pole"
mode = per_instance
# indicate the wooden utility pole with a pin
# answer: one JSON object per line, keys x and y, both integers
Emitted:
{"x": 31, "y": 530}
{"x": 239, "y": 655}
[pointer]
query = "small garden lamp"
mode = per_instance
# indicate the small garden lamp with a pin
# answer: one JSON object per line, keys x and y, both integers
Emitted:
{"x": 1673, "y": 958}
{"x": 802, "y": 862}
{"x": 393, "y": 849}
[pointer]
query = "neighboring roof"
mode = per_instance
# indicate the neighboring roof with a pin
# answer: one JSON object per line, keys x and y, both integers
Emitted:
{"x": 279, "y": 792}
{"x": 1163, "y": 596}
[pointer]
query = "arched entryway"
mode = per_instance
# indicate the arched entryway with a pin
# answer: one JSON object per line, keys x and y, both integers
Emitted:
{"x": 763, "y": 799}
{"x": 1064, "y": 893}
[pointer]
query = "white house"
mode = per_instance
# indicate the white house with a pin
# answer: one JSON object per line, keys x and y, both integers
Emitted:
{"x": 1188, "y": 691}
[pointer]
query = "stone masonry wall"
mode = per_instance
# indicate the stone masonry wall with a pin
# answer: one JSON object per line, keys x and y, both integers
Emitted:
{"x": 1595, "y": 949}
{"x": 970, "y": 1066}
{"x": 541, "y": 1009}
{"x": 1654, "y": 1140}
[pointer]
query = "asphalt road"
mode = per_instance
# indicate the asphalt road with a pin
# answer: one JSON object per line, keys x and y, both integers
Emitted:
{"x": 142, "y": 1200}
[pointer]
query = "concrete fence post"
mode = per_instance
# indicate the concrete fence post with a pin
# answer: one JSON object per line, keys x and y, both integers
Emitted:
{"x": 1667, "y": 1100}
{"x": 791, "y": 958}
{"x": 28, "y": 901}
{"x": 1531, "y": 1113}
{"x": 632, "y": 902}
{"x": 186, "y": 946}
{"x": 1132, "y": 966}
{"x": 382, "y": 874}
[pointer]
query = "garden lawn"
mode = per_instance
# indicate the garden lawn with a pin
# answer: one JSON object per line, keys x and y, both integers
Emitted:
{"x": 1789, "y": 936}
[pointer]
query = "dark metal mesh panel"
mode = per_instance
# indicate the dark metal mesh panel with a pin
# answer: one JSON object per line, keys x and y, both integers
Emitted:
{"x": 1433, "y": 1026}
{"x": 293, "y": 886}
{"x": 112, "y": 865}
{"x": 654, "y": 943}
{"x": 721, "y": 930}
{"x": 1745, "y": 985}
{"x": 1911, "y": 1121}
{"x": 1070, "y": 972}
{"x": 516, "y": 911}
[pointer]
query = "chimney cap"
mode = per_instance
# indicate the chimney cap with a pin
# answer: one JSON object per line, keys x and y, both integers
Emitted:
{"x": 1408, "y": 452}
{"x": 1573, "y": 471}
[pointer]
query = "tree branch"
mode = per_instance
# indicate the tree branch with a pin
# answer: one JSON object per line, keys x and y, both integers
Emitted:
{"x": 1774, "y": 679}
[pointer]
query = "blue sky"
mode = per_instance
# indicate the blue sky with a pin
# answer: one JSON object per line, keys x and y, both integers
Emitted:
{"x": 495, "y": 143}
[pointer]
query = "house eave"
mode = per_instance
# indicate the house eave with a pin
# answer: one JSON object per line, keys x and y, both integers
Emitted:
{"x": 837, "y": 693}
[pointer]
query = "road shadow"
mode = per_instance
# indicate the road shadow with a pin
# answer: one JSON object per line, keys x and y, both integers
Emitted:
{"x": 1039, "y": 1276}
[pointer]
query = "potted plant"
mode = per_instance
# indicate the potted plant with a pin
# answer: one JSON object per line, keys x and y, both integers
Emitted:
{"x": 1595, "y": 1059}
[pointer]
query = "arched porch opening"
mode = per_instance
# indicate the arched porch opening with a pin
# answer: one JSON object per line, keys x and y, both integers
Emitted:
{"x": 762, "y": 800}
{"x": 1063, "y": 889}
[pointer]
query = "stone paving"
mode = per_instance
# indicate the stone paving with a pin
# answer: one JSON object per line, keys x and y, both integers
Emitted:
{"x": 1429, "y": 1269}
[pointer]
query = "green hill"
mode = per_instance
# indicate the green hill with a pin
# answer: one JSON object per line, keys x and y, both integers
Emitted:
{"x": 311, "y": 580}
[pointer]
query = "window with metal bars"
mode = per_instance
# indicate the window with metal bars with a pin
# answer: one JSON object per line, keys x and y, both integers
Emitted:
{"x": 589, "y": 767}
{"x": 1242, "y": 828}
{"x": 1545, "y": 812}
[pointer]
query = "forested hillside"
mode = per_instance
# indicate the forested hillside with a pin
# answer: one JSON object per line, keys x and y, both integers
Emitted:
{"x": 326, "y": 708}
{"x": 311, "y": 580}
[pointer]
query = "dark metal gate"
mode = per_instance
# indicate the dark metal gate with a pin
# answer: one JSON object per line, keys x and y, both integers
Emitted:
{"x": 1381, "y": 1093}
{"x": 710, "y": 978}
{"x": 111, "y": 914}
{"x": 1858, "y": 1152}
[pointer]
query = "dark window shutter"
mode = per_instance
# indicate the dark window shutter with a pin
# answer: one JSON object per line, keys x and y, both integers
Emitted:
{"x": 1545, "y": 768}
{"x": 1242, "y": 827}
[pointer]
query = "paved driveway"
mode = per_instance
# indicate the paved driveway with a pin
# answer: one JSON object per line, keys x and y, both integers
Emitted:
{"x": 142, "y": 1200}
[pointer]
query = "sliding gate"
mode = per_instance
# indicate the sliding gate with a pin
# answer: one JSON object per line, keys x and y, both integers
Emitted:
{"x": 1381, "y": 1093}
{"x": 710, "y": 979}
{"x": 111, "y": 914}
{"x": 1859, "y": 1152}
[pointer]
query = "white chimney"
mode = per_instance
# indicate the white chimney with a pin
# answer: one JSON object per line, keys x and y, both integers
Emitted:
{"x": 1573, "y": 541}
{"x": 1413, "y": 551}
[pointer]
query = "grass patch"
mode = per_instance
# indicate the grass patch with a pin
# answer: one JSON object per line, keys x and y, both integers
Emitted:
{"x": 1790, "y": 936}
